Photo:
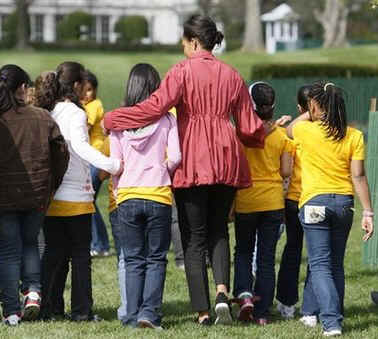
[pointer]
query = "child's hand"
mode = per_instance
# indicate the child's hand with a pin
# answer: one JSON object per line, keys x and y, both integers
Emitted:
{"x": 102, "y": 175}
{"x": 104, "y": 130}
{"x": 283, "y": 120}
{"x": 368, "y": 227}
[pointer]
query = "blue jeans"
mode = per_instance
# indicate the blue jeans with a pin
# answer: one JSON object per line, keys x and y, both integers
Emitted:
{"x": 267, "y": 224}
{"x": 19, "y": 256}
{"x": 148, "y": 234}
{"x": 326, "y": 231}
{"x": 100, "y": 239}
{"x": 119, "y": 241}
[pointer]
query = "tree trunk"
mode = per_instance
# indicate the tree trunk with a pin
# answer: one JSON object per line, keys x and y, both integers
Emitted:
{"x": 334, "y": 20}
{"x": 253, "y": 40}
{"x": 22, "y": 7}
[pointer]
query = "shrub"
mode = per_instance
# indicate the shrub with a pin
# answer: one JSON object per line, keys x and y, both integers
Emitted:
{"x": 10, "y": 30}
{"x": 69, "y": 27}
{"x": 299, "y": 70}
{"x": 132, "y": 29}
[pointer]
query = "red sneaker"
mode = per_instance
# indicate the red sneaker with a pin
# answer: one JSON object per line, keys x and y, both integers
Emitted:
{"x": 261, "y": 321}
{"x": 31, "y": 305}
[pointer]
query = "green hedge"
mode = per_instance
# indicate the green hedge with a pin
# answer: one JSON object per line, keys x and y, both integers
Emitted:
{"x": 299, "y": 70}
{"x": 132, "y": 28}
{"x": 69, "y": 27}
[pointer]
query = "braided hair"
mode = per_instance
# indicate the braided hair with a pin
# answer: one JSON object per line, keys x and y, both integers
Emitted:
{"x": 331, "y": 101}
{"x": 12, "y": 77}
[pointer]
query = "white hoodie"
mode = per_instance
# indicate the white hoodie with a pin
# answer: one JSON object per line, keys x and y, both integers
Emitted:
{"x": 77, "y": 184}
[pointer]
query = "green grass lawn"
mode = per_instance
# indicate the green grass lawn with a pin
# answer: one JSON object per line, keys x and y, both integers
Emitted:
{"x": 112, "y": 70}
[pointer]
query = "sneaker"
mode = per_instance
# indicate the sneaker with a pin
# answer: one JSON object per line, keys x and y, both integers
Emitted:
{"x": 85, "y": 317}
{"x": 374, "y": 297}
{"x": 287, "y": 312}
{"x": 105, "y": 253}
{"x": 332, "y": 333}
{"x": 31, "y": 305}
{"x": 309, "y": 320}
{"x": 12, "y": 320}
{"x": 145, "y": 323}
{"x": 94, "y": 253}
{"x": 261, "y": 321}
{"x": 222, "y": 310}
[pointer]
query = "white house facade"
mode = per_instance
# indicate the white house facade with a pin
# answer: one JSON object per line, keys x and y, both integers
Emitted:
{"x": 165, "y": 17}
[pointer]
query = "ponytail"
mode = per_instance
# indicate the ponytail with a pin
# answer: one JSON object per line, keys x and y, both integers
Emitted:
{"x": 11, "y": 78}
{"x": 263, "y": 99}
{"x": 46, "y": 90}
{"x": 331, "y": 102}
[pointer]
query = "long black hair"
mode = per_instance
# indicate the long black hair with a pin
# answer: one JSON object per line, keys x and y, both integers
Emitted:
{"x": 331, "y": 101}
{"x": 11, "y": 78}
{"x": 68, "y": 73}
{"x": 264, "y": 97}
{"x": 143, "y": 81}
{"x": 204, "y": 29}
{"x": 302, "y": 97}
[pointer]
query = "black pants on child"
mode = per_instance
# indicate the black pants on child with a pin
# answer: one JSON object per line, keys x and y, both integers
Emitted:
{"x": 203, "y": 221}
{"x": 67, "y": 237}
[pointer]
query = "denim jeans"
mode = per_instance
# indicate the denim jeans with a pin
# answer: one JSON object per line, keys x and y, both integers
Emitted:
{"x": 148, "y": 234}
{"x": 326, "y": 229}
{"x": 267, "y": 224}
{"x": 288, "y": 275}
{"x": 100, "y": 239}
{"x": 19, "y": 256}
{"x": 119, "y": 240}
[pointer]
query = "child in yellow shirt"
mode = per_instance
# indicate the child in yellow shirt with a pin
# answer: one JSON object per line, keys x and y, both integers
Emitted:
{"x": 288, "y": 275}
{"x": 95, "y": 112}
{"x": 260, "y": 209}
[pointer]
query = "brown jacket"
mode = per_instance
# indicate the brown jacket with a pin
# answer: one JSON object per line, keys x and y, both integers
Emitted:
{"x": 33, "y": 159}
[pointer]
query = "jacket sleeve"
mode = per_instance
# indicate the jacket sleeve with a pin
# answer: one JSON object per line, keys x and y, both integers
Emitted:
{"x": 151, "y": 109}
{"x": 173, "y": 149}
{"x": 249, "y": 127}
{"x": 116, "y": 152}
{"x": 59, "y": 155}
{"x": 79, "y": 143}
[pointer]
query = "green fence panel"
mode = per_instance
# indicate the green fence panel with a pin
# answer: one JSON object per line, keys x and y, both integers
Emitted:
{"x": 370, "y": 249}
{"x": 358, "y": 92}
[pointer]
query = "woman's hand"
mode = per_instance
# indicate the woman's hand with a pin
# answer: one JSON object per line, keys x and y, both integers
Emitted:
{"x": 368, "y": 226}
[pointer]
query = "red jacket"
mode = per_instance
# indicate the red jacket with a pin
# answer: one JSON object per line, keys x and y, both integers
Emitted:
{"x": 207, "y": 94}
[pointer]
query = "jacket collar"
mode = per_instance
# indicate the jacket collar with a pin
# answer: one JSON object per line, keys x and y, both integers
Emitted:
{"x": 202, "y": 54}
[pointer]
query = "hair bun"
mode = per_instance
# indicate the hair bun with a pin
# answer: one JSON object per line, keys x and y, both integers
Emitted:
{"x": 218, "y": 38}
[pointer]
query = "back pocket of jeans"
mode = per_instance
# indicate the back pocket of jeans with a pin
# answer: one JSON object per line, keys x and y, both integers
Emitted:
{"x": 314, "y": 214}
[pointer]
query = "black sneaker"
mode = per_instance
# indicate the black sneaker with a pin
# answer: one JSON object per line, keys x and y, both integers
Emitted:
{"x": 374, "y": 297}
{"x": 222, "y": 310}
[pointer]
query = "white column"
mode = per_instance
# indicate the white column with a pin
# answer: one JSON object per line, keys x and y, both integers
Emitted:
{"x": 49, "y": 29}
{"x": 269, "y": 31}
{"x": 277, "y": 30}
{"x": 98, "y": 29}
{"x": 112, "y": 22}
{"x": 286, "y": 31}
{"x": 295, "y": 31}
{"x": 1, "y": 26}
{"x": 32, "y": 27}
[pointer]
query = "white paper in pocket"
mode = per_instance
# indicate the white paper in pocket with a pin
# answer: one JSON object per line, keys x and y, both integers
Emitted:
{"x": 314, "y": 214}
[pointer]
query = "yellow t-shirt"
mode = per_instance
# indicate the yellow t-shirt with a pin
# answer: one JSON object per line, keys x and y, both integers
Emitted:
{"x": 162, "y": 194}
{"x": 325, "y": 162}
{"x": 105, "y": 149}
{"x": 95, "y": 113}
{"x": 60, "y": 208}
{"x": 266, "y": 193}
{"x": 294, "y": 191}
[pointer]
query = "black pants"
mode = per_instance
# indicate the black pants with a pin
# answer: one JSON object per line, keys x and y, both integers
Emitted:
{"x": 287, "y": 283}
{"x": 203, "y": 221}
{"x": 67, "y": 238}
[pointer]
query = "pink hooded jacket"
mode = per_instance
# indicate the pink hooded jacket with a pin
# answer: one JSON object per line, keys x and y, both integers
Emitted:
{"x": 150, "y": 154}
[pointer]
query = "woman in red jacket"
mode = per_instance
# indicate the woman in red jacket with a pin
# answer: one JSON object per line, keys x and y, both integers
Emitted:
{"x": 206, "y": 93}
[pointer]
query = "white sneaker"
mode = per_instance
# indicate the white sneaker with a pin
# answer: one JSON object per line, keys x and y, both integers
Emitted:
{"x": 12, "y": 320}
{"x": 309, "y": 320}
{"x": 287, "y": 312}
{"x": 332, "y": 333}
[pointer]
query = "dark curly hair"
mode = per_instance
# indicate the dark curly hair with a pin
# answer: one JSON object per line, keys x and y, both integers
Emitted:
{"x": 46, "y": 90}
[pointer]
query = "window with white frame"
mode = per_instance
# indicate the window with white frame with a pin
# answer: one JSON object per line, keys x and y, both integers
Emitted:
{"x": 37, "y": 27}
{"x": 105, "y": 28}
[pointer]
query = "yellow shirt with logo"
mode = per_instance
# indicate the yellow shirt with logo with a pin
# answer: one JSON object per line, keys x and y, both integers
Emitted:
{"x": 266, "y": 192}
{"x": 325, "y": 162}
{"x": 95, "y": 113}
